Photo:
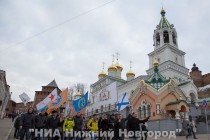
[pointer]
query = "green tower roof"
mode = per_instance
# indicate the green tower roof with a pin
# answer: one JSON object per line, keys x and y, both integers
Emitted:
{"x": 157, "y": 80}
{"x": 164, "y": 22}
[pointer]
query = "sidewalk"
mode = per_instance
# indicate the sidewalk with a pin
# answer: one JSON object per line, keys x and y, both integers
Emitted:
{"x": 5, "y": 128}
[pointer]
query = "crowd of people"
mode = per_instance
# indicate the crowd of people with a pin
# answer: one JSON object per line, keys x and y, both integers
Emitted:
{"x": 25, "y": 123}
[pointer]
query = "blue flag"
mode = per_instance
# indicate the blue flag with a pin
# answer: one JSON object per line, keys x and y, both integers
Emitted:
{"x": 124, "y": 102}
{"x": 81, "y": 103}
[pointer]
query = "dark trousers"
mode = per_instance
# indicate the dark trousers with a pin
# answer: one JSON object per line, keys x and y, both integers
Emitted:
{"x": 17, "y": 133}
{"x": 144, "y": 135}
{"x": 25, "y": 132}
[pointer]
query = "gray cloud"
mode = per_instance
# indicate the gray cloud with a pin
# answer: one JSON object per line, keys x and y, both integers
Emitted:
{"x": 74, "y": 51}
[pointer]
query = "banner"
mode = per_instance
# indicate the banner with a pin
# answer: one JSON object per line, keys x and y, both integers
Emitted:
{"x": 105, "y": 97}
{"x": 24, "y": 98}
{"x": 60, "y": 100}
{"x": 81, "y": 103}
{"x": 44, "y": 104}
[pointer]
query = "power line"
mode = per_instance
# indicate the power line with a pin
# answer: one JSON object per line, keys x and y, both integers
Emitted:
{"x": 57, "y": 25}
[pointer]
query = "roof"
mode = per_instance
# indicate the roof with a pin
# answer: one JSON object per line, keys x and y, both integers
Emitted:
{"x": 163, "y": 21}
{"x": 52, "y": 84}
{"x": 175, "y": 102}
{"x": 157, "y": 80}
{"x": 184, "y": 83}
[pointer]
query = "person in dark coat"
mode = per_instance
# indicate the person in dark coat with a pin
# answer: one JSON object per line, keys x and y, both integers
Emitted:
{"x": 53, "y": 123}
{"x": 40, "y": 123}
{"x": 133, "y": 124}
{"x": 78, "y": 124}
{"x": 111, "y": 122}
{"x": 144, "y": 131}
{"x": 104, "y": 126}
{"x": 120, "y": 124}
{"x": 17, "y": 127}
{"x": 27, "y": 122}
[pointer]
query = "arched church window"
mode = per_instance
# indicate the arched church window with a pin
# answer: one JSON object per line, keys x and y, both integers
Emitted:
{"x": 144, "y": 112}
{"x": 166, "y": 37}
{"x": 157, "y": 39}
{"x": 148, "y": 110}
{"x": 139, "y": 110}
{"x": 174, "y": 38}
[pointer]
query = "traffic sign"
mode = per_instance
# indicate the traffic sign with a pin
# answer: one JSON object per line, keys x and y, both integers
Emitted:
{"x": 205, "y": 104}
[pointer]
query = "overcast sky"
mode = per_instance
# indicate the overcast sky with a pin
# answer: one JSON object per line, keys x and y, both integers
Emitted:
{"x": 73, "y": 52}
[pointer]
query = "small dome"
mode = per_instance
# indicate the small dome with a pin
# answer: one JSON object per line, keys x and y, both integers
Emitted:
{"x": 155, "y": 63}
{"x": 119, "y": 67}
{"x": 102, "y": 74}
{"x": 130, "y": 73}
{"x": 78, "y": 94}
{"x": 112, "y": 67}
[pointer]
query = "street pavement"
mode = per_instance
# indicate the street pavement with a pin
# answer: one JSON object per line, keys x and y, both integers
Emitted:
{"x": 6, "y": 132}
{"x": 6, "y": 125}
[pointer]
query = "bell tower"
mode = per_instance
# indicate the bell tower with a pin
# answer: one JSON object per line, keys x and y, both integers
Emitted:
{"x": 171, "y": 59}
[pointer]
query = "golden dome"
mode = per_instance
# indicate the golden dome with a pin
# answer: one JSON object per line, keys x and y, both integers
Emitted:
{"x": 78, "y": 94}
{"x": 119, "y": 67}
{"x": 102, "y": 74}
{"x": 155, "y": 63}
{"x": 130, "y": 73}
{"x": 112, "y": 67}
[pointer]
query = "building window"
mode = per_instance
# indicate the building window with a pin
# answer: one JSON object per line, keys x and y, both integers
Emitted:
{"x": 166, "y": 37}
{"x": 157, "y": 109}
{"x": 157, "y": 39}
{"x": 174, "y": 38}
{"x": 144, "y": 109}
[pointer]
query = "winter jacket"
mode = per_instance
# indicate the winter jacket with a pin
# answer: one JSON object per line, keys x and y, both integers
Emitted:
{"x": 104, "y": 125}
{"x": 53, "y": 122}
{"x": 27, "y": 121}
{"x": 119, "y": 125}
{"x": 40, "y": 121}
{"x": 17, "y": 122}
{"x": 133, "y": 124}
{"x": 68, "y": 124}
{"x": 92, "y": 125}
{"x": 78, "y": 123}
{"x": 111, "y": 123}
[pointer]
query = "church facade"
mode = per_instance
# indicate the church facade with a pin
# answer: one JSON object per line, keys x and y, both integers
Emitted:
{"x": 166, "y": 90}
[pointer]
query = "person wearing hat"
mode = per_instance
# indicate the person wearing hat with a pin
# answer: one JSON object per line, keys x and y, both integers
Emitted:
{"x": 53, "y": 123}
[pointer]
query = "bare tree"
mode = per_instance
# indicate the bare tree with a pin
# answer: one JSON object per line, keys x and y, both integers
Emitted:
{"x": 77, "y": 87}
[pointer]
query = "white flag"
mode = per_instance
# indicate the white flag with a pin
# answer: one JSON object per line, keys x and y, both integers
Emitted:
{"x": 105, "y": 97}
{"x": 51, "y": 97}
{"x": 123, "y": 102}
{"x": 24, "y": 98}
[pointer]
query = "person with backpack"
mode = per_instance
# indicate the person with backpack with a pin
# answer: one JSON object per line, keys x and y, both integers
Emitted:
{"x": 92, "y": 125}
{"x": 68, "y": 126}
